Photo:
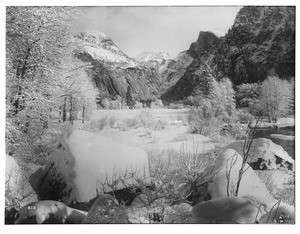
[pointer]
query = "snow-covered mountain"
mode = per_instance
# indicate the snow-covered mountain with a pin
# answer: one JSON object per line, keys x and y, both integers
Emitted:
{"x": 103, "y": 49}
{"x": 152, "y": 56}
{"x": 113, "y": 71}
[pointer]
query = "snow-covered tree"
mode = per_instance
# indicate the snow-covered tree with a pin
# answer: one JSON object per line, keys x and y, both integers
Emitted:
{"x": 275, "y": 98}
{"x": 39, "y": 47}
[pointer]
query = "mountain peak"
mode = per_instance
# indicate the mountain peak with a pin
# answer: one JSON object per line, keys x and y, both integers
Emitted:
{"x": 102, "y": 48}
{"x": 152, "y": 56}
{"x": 205, "y": 40}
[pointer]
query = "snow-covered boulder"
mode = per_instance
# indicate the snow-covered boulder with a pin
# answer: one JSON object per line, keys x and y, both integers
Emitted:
{"x": 265, "y": 155}
{"x": 48, "y": 211}
{"x": 18, "y": 191}
{"x": 223, "y": 183}
{"x": 245, "y": 210}
{"x": 228, "y": 164}
{"x": 82, "y": 163}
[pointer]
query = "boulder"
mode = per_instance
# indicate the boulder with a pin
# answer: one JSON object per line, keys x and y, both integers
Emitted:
{"x": 82, "y": 163}
{"x": 18, "y": 191}
{"x": 226, "y": 210}
{"x": 49, "y": 211}
{"x": 265, "y": 155}
{"x": 242, "y": 210}
{"x": 228, "y": 164}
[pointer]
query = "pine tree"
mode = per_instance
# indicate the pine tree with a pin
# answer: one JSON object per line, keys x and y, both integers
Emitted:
{"x": 129, "y": 98}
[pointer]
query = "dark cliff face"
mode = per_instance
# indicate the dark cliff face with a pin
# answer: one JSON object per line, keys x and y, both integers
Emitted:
{"x": 260, "y": 43}
{"x": 203, "y": 43}
{"x": 176, "y": 68}
{"x": 113, "y": 71}
{"x": 113, "y": 81}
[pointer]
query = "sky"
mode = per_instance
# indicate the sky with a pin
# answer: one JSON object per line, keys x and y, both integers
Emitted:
{"x": 155, "y": 29}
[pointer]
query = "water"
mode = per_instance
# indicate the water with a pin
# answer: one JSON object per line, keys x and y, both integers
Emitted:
{"x": 287, "y": 145}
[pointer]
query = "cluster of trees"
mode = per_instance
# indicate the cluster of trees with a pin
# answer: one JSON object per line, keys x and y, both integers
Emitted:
{"x": 213, "y": 104}
{"x": 273, "y": 98}
{"x": 44, "y": 80}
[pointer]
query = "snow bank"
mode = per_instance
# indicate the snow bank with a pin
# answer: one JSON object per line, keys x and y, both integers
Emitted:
{"x": 82, "y": 162}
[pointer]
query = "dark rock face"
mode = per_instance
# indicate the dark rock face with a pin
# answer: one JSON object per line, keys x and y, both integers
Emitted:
{"x": 260, "y": 43}
{"x": 113, "y": 71}
{"x": 203, "y": 43}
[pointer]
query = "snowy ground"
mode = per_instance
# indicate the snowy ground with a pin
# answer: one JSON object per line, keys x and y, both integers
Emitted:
{"x": 175, "y": 135}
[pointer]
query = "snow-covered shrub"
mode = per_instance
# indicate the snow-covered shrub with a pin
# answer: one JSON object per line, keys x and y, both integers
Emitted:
{"x": 202, "y": 120}
{"x": 101, "y": 123}
{"x": 112, "y": 121}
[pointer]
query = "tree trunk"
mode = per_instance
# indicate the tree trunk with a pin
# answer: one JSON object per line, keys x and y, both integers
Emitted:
{"x": 83, "y": 113}
{"x": 71, "y": 117}
{"x": 64, "y": 116}
{"x": 59, "y": 114}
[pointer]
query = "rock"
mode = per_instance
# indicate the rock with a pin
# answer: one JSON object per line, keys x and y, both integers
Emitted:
{"x": 106, "y": 210}
{"x": 18, "y": 191}
{"x": 49, "y": 211}
{"x": 265, "y": 155}
{"x": 226, "y": 210}
{"x": 250, "y": 186}
{"x": 82, "y": 162}
{"x": 241, "y": 210}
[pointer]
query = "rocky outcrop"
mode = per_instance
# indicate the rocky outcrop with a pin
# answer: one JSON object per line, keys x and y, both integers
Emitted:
{"x": 260, "y": 43}
{"x": 85, "y": 164}
{"x": 113, "y": 71}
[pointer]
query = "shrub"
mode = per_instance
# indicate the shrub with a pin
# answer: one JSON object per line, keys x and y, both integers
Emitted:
{"x": 112, "y": 121}
{"x": 132, "y": 123}
{"x": 202, "y": 120}
{"x": 247, "y": 94}
{"x": 101, "y": 123}
{"x": 275, "y": 99}
{"x": 244, "y": 117}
